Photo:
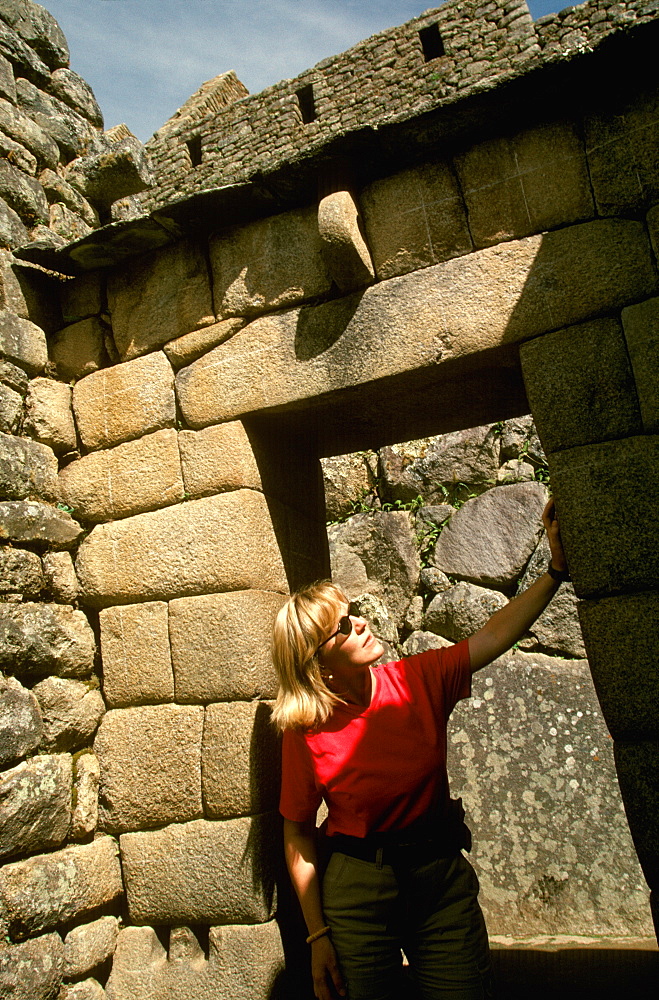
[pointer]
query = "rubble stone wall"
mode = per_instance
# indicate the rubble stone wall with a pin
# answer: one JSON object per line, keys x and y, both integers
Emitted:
{"x": 162, "y": 427}
{"x": 59, "y": 171}
{"x": 388, "y": 76}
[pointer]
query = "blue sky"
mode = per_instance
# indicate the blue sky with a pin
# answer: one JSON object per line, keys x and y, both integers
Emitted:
{"x": 144, "y": 58}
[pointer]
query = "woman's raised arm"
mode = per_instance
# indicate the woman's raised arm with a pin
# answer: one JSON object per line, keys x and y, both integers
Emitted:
{"x": 509, "y": 624}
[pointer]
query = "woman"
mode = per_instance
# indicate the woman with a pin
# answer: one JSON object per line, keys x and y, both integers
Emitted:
{"x": 371, "y": 742}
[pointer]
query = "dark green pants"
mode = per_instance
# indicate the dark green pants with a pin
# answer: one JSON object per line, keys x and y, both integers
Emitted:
{"x": 431, "y": 912}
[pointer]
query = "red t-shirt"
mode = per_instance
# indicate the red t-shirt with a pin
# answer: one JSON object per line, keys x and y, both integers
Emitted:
{"x": 381, "y": 767}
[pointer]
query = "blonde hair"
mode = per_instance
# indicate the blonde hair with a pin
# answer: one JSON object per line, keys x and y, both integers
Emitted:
{"x": 308, "y": 617}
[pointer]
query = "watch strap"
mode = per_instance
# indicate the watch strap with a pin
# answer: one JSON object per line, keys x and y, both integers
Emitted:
{"x": 560, "y": 575}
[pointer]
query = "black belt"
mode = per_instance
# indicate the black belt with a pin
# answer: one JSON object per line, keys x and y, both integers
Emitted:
{"x": 391, "y": 852}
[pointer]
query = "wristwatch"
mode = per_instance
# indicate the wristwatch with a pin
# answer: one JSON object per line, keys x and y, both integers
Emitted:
{"x": 560, "y": 575}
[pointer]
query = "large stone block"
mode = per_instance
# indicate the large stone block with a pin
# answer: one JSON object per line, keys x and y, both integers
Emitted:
{"x": 617, "y": 633}
{"x": 427, "y": 466}
{"x": 376, "y": 554}
{"x": 622, "y": 156}
{"x": 556, "y": 630}
{"x": 348, "y": 479}
{"x": 492, "y": 537}
{"x": 18, "y": 51}
{"x": 41, "y": 639}
{"x": 580, "y": 385}
{"x": 268, "y": 264}
{"x": 47, "y": 890}
{"x": 204, "y": 546}
{"x": 159, "y": 297}
{"x": 79, "y": 349}
{"x": 186, "y": 349}
{"x": 460, "y": 611}
{"x": 32, "y": 970}
{"x": 22, "y": 342}
{"x": 221, "y": 646}
{"x": 20, "y": 721}
{"x": 637, "y": 764}
{"x": 121, "y": 169}
{"x": 128, "y": 479}
{"x": 240, "y": 769}
{"x": 607, "y": 499}
{"x": 58, "y": 191}
{"x": 414, "y": 219}
{"x": 74, "y": 91}
{"x": 27, "y": 469}
{"x": 150, "y": 759}
{"x": 498, "y": 295}
{"x": 202, "y": 872}
{"x": 218, "y": 459}
{"x": 50, "y": 415}
{"x": 641, "y": 325}
{"x": 67, "y": 224}
{"x": 89, "y": 945}
{"x": 71, "y": 712}
{"x": 344, "y": 252}
{"x": 7, "y": 81}
{"x": 39, "y": 29}
{"x": 35, "y": 805}
{"x": 26, "y": 521}
{"x": 23, "y": 193}
{"x": 532, "y": 759}
{"x": 525, "y": 183}
{"x": 137, "y": 664}
{"x": 20, "y": 573}
{"x": 125, "y": 402}
{"x": 13, "y": 377}
{"x": 244, "y": 962}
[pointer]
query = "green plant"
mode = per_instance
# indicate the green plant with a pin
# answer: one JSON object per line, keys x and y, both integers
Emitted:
{"x": 410, "y": 505}
{"x": 65, "y": 507}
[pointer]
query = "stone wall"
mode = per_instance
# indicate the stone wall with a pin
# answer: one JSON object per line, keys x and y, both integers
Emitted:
{"x": 442, "y": 56}
{"x": 59, "y": 172}
{"x": 163, "y": 422}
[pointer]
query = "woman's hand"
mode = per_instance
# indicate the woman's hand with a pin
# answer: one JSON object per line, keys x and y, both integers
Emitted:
{"x": 325, "y": 970}
{"x": 511, "y": 622}
{"x": 550, "y": 521}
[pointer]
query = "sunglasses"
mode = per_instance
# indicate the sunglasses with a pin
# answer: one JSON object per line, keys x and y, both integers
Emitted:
{"x": 345, "y": 624}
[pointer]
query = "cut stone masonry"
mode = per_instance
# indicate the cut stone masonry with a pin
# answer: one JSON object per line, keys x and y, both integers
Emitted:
{"x": 449, "y": 225}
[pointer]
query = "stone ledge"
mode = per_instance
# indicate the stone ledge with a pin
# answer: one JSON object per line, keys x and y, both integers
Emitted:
{"x": 500, "y": 295}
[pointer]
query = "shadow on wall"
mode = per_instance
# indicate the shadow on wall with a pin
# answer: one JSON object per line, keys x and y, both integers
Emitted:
{"x": 318, "y": 329}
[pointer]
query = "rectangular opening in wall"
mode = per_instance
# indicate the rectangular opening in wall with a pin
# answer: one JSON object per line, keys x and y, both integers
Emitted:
{"x": 307, "y": 105}
{"x": 431, "y": 42}
{"x": 194, "y": 149}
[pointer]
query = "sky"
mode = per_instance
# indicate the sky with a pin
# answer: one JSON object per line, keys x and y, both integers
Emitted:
{"x": 144, "y": 58}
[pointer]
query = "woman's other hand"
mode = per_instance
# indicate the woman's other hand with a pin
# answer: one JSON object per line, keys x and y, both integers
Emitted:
{"x": 550, "y": 521}
{"x": 325, "y": 970}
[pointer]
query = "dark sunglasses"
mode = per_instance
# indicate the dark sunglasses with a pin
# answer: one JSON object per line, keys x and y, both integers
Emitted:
{"x": 345, "y": 624}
